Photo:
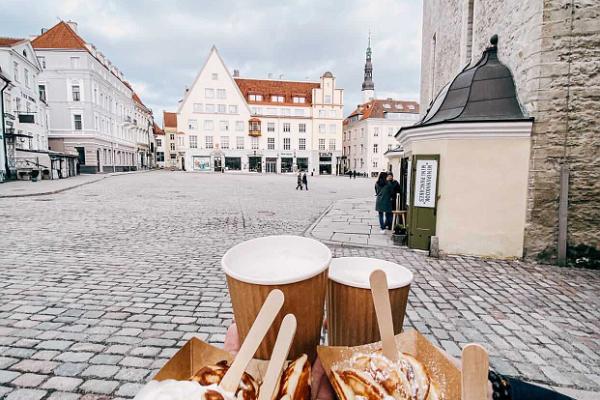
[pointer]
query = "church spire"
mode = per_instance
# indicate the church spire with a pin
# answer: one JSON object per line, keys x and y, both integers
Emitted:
{"x": 368, "y": 87}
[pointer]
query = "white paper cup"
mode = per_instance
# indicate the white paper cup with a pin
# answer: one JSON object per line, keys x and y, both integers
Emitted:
{"x": 293, "y": 264}
{"x": 351, "y": 318}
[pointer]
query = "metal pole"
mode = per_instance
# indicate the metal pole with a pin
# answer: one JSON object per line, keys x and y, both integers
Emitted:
{"x": 563, "y": 214}
{"x": 6, "y": 82}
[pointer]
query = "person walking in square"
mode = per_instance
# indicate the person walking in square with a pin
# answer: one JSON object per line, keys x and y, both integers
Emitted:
{"x": 299, "y": 184}
{"x": 383, "y": 204}
{"x": 305, "y": 181}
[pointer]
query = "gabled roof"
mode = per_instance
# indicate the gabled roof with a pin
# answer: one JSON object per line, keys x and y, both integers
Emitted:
{"x": 268, "y": 88}
{"x": 157, "y": 129}
{"x": 60, "y": 36}
{"x": 484, "y": 92}
{"x": 377, "y": 108}
{"x": 9, "y": 42}
{"x": 169, "y": 119}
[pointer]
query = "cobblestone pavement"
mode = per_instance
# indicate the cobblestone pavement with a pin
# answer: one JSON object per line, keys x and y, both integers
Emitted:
{"x": 351, "y": 221}
{"x": 100, "y": 285}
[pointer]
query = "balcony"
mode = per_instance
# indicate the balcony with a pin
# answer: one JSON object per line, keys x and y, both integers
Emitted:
{"x": 254, "y": 127}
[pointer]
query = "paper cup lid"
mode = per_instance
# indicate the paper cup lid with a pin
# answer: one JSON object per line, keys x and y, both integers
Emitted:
{"x": 355, "y": 272}
{"x": 276, "y": 260}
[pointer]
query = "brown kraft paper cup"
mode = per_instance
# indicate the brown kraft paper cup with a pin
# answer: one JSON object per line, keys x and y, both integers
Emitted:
{"x": 299, "y": 270}
{"x": 351, "y": 318}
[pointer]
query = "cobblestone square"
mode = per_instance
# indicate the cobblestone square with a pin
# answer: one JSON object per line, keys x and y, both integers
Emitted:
{"x": 101, "y": 284}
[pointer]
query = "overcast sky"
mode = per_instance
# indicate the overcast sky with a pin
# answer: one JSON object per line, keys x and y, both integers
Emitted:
{"x": 161, "y": 45}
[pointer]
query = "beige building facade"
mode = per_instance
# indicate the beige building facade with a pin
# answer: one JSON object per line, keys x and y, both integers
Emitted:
{"x": 552, "y": 49}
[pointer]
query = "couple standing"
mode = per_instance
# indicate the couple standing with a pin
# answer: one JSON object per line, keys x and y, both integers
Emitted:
{"x": 302, "y": 180}
{"x": 386, "y": 190}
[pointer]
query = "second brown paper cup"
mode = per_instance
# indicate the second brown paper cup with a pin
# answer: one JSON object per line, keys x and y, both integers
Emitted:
{"x": 295, "y": 265}
{"x": 351, "y": 318}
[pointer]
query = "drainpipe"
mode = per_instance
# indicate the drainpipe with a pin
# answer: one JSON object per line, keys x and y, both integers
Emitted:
{"x": 6, "y": 82}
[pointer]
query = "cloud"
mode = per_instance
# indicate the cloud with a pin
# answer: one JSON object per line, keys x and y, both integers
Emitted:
{"x": 160, "y": 45}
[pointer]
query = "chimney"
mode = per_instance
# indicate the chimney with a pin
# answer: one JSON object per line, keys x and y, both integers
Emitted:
{"x": 280, "y": 76}
{"x": 73, "y": 25}
{"x": 270, "y": 75}
{"x": 44, "y": 30}
{"x": 236, "y": 73}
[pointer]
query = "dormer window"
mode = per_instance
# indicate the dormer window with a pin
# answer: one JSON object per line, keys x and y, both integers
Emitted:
{"x": 255, "y": 97}
{"x": 411, "y": 107}
{"x": 399, "y": 106}
{"x": 386, "y": 105}
{"x": 299, "y": 99}
{"x": 277, "y": 99}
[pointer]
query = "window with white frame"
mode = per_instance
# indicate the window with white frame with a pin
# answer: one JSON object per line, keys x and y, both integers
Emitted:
{"x": 331, "y": 128}
{"x": 302, "y": 128}
{"x": 209, "y": 93}
{"x": 389, "y": 146}
{"x": 75, "y": 92}
{"x": 239, "y": 142}
{"x": 16, "y": 71}
{"x": 42, "y": 61}
{"x": 322, "y": 113}
{"x": 233, "y": 109}
{"x": 321, "y": 128}
{"x": 255, "y": 97}
{"x": 239, "y": 126}
{"x": 331, "y": 144}
{"x": 221, "y": 108}
{"x": 321, "y": 144}
{"x": 197, "y": 107}
{"x": 224, "y": 125}
{"x": 77, "y": 122}
{"x": 209, "y": 125}
{"x": 286, "y": 143}
{"x": 26, "y": 75}
{"x": 270, "y": 143}
{"x": 375, "y": 148}
{"x": 375, "y": 131}
{"x": 193, "y": 124}
{"x": 277, "y": 99}
{"x": 221, "y": 94}
{"x": 254, "y": 143}
{"x": 225, "y": 142}
{"x": 286, "y": 126}
{"x": 75, "y": 62}
{"x": 374, "y": 164}
{"x": 270, "y": 126}
{"x": 180, "y": 141}
{"x": 172, "y": 136}
{"x": 299, "y": 99}
{"x": 362, "y": 149}
{"x": 214, "y": 76}
{"x": 302, "y": 143}
{"x": 208, "y": 141}
{"x": 158, "y": 142}
{"x": 209, "y": 108}
{"x": 42, "y": 92}
{"x": 193, "y": 142}
{"x": 327, "y": 99}
{"x": 390, "y": 132}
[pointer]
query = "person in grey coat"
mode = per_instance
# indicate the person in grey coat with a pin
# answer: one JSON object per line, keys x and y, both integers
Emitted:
{"x": 299, "y": 185}
{"x": 383, "y": 204}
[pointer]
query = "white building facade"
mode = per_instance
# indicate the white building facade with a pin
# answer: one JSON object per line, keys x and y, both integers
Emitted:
{"x": 369, "y": 131}
{"x": 259, "y": 125}
{"x": 25, "y": 110}
{"x": 92, "y": 111}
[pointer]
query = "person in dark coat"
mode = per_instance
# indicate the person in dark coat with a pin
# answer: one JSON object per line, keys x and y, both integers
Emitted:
{"x": 383, "y": 203}
{"x": 305, "y": 181}
{"x": 396, "y": 190}
{"x": 299, "y": 184}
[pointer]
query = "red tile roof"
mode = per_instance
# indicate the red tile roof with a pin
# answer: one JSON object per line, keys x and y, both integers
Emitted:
{"x": 157, "y": 129}
{"x": 169, "y": 119}
{"x": 8, "y": 42}
{"x": 268, "y": 88}
{"x": 60, "y": 36}
{"x": 378, "y": 107}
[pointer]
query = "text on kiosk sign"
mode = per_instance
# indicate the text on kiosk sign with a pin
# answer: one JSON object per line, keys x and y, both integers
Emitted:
{"x": 425, "y": 180}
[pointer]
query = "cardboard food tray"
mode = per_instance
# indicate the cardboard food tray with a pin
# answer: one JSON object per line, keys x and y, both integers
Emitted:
{"x": 441, "y": 368}
{"x": 196, "y": 354}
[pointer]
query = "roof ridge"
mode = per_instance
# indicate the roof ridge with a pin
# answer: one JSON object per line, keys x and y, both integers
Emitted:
{"x": 61, "y": 25}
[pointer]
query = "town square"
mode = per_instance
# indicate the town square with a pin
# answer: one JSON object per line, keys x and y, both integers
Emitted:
{"x": 400, "y": 204}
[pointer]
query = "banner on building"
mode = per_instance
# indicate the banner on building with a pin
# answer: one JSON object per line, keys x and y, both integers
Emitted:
{"x": 425, "y": 183}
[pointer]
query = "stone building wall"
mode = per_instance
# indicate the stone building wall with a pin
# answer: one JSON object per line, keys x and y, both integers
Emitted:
{"x": 554, "y": 63}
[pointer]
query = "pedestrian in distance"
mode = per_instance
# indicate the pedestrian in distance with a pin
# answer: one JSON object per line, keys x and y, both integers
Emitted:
{"x": 305, "y": 181}
{"x": 299, "y": 182}
{"x": 383, "y": 203}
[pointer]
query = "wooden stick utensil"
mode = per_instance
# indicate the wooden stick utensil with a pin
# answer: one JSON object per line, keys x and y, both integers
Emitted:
{"x": 475, "y": 367}
{"x": 257, "y": 332}
{"x": 383, "y": 309}
{"x": 281, "y": 349}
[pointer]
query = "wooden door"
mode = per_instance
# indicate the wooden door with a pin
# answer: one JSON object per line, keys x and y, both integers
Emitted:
{"x": 423, "y": 200}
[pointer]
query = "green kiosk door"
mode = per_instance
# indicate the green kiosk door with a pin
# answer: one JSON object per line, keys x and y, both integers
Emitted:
{"x": 423, "y": 200}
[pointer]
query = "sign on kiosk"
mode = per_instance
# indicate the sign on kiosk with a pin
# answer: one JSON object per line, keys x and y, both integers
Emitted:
{"x": 425, "y": 180}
